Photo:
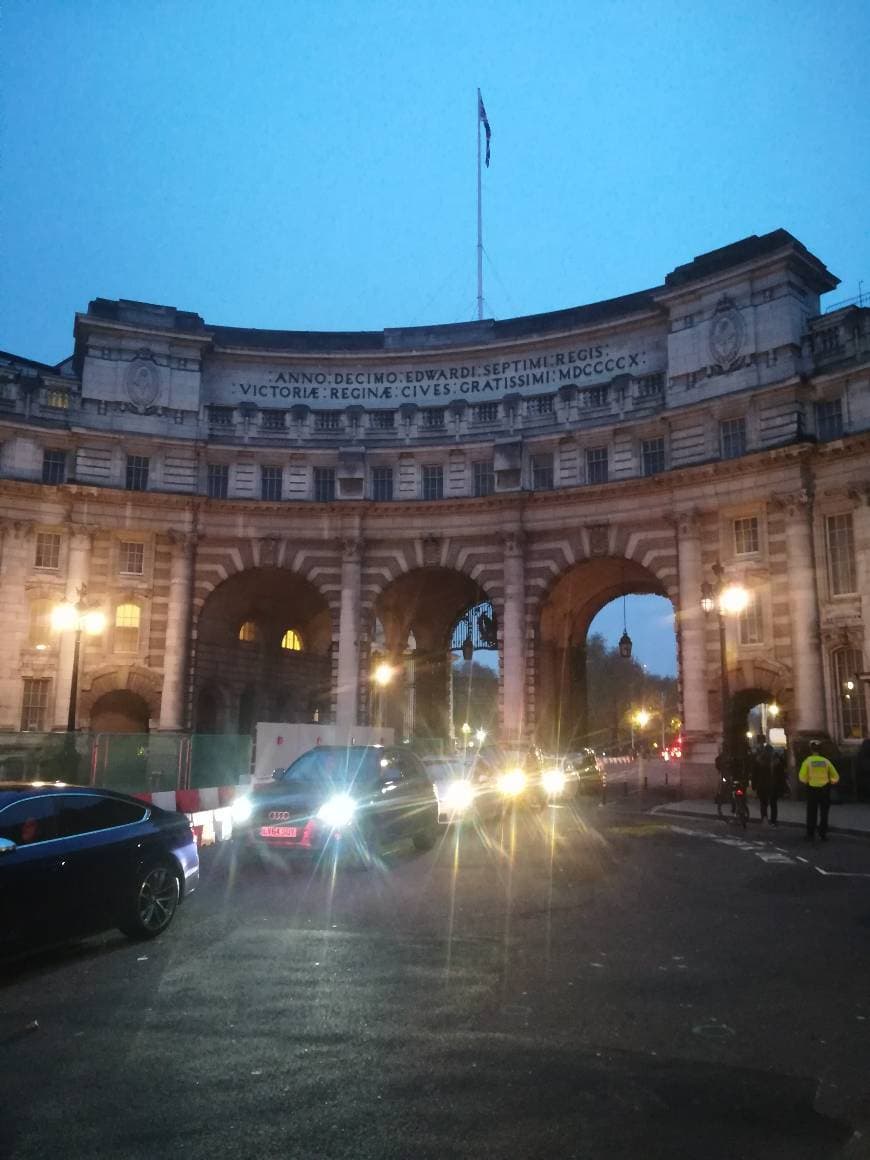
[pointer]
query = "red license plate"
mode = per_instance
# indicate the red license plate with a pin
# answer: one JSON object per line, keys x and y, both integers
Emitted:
{"x": 278, "y": 831}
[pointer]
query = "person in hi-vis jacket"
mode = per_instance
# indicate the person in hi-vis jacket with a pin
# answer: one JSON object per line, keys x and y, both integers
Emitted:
{"x": 818, "y": 775}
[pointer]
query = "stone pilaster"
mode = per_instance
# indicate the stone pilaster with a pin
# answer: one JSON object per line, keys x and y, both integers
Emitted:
{"x": 176, "y": 657}
{"x": 514, "y": 639}
{"x": 77, "y": 571}
{"x": 807, "y": 672}
{"x": 347, "y": 694}
{"x": 691, "y": 627}
{"x": 16, "y": 548}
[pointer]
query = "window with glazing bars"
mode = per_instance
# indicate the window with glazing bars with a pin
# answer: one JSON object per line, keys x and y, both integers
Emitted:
{"x": 273, "y": 420}
{"x": 220, "y": 416}
{"x": 53, "y": 466}
{"x": 324, "y": 484}
{"x": 382, "y": 483}
{"x": 483, "y": 477}
{"x": 218, "y": 480}
{"x": 433, "y": 419}
{"x": 47, "y": 550}
{"x": 849, "y": 692}
{"x": 652, "y": 456}
{"x": 485, "y": 413}
{"x": 596, "y": 465}
{"x": 829, "y": 419}
{"x": 270, "y": 482}
{"x": 432, "y": 481}
{"x": 382, "y": 420}
{"x": 131, "y": 558}
{"x": 542, "y": 472}
{"x": 841, "y": 554}
{"x": 749, "y": 621}
{"x": 137, "y": 472}
{"x": 746, "y": 541}
{"x": 541, "y": 405}
{"x": 732, "y": 438}
{"x": 327, "y": 420}
{"x": 34, "y": 705}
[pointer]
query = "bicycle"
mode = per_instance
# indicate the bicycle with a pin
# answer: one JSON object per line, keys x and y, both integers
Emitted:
{"x": 735, "y": 792}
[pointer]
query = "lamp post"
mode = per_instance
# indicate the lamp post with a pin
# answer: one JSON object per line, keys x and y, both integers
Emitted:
{"x": 78, "y": 618}
{"x": 382, "y": 676}
{"x": 725, "y": 600}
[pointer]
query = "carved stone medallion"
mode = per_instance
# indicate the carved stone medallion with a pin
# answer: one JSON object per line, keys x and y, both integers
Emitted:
{"x": 727, "y": 333}
{"x": 143, "y": 380}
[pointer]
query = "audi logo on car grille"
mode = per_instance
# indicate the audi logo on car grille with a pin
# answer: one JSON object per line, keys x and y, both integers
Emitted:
{"x": 279, "y": 815}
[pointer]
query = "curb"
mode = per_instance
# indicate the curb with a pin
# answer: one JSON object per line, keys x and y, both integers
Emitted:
{"x": 665, "y": 810}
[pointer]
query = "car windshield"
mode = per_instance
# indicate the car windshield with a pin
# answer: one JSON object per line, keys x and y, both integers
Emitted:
{"x": 333, "y": 768}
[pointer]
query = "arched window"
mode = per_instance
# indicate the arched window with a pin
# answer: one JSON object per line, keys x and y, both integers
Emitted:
{"x": 849, "y": 690}
{"x": 40, "y": 624}
{"x": 291, "y": 640}
{"x": 128, "y": 618}
{"x": 248, "y": 632}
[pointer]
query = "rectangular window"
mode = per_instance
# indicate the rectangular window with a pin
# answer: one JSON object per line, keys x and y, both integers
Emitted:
{"x": 595, "y": 397}
{"x": 382, "y": 483}
{"x": 58, "y": 399}
{"x": 541, "y": 405}
{"x": 652, "y": 456}
{"x": 137, "y": 472}
{"x": 128, "y": 618}
{"x": 324, "y": 484}
{"x": 433, "y": 419}
{"x": 218, "y": 480}
{"x": 47, "y": 550}
{"x": 485, "y": 413}
{"x": 596, "y": 465}
{"x": 829, "y": 419}
{"x": 483, "y": 477}
{"x": 732, "y": 438}
{"x": 34, "y": 708}
{"x": 841, "y": 554}
{"x": 327, "y": 420}
{"x": 542, "y": 472}
{"x": 220, "y": 416}
{"x": 432, "y": 481}
{"x": 382, "y": 420}
{"x": 746, "y": 542}
{"x": 53, "y": 466}
{"x": 131, "y": 558}
{"x": 853, "y": 715}
{"x": 274, "y": 420}
{"x": 270, "y": 483}
{"x": 749, "y": 621}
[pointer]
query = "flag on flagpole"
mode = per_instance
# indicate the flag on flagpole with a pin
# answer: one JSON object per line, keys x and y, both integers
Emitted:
{"x": 481, "y": 115}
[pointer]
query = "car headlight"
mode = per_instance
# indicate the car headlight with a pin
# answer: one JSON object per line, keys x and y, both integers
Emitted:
{"x": 458, "y": 795}
{"x": 553, "y": 782}
{"x": 241, "y": 810}
{"x": 337, "y": 811}
{"x": 512, "y": 783}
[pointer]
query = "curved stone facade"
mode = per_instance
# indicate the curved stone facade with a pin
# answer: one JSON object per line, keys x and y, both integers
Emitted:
{"x": 362, "y": 490}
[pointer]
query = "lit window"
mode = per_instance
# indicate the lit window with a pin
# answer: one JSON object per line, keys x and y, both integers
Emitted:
{"x": 248, "y": 632}
{"x": 746, "y": 536}
{"x": 58, "y": 399}
{"x": 850, "y": 693}
{"x": 732, "y": 438}
{"x": 127, "y": 620}
{"x": 40, "y": 623}
{"x": 34, "y": 705}
{"x": 131, "y": 558}
{"x": 291, "y": 641}
{"x": 596, "y": 465}
{"x": 483, "y": 477}
{"x": 47, "y": 550}
{"x": 749, "y": 621}
{"x": 841, "y": 554}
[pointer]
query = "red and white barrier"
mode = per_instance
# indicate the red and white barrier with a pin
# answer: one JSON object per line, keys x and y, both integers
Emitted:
{"x": 208, "y": 810}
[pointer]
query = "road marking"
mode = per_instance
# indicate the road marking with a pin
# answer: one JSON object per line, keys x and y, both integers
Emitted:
{"x": 841, "y": 873}
{"x": 776, "y": 857}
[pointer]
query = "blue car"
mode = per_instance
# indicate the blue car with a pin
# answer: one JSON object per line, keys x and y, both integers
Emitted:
{"x": 76, "y": 860}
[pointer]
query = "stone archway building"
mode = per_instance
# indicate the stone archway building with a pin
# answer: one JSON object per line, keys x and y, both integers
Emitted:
{"x": 636, "y": 442}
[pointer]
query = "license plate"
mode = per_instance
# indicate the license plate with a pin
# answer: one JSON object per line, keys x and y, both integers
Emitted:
{"x": 278, "y": 831}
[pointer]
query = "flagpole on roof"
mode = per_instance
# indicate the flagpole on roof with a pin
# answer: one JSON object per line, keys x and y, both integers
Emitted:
{"x": 479, "y": 216}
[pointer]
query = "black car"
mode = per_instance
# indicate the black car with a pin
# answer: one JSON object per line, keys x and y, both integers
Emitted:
{"x": 354, "y": 801}
{"x": 77, "y": 860}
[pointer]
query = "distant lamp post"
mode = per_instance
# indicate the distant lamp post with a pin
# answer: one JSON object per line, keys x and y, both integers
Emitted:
{"x": 77, "y": 618}
{"x": 382, "y": 676}
{"x": 481, "y": 736}
{"x": 724, "y": 600}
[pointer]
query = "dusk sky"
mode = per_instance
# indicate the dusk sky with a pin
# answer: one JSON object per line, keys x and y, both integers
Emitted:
{"x": 312, "y": 166}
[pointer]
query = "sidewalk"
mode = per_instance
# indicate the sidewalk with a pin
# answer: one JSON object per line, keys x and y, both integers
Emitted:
{"x": 846, "y": 818}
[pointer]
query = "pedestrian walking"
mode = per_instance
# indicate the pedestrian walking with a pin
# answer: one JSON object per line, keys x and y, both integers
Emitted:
{"x": 768, "y": 778}
{"x": 818, "y": 775}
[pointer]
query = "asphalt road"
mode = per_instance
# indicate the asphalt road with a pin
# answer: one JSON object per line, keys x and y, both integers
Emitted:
{"x": 585, "y": 983}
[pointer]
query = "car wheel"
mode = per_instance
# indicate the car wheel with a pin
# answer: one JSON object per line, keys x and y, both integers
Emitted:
{"x": 425, "y": 839}
{"x": 154, "y": 903}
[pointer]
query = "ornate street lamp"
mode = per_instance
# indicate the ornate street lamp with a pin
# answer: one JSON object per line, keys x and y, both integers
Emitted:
{"x": 724, "y": 600}
{"x": 78, "y": 618}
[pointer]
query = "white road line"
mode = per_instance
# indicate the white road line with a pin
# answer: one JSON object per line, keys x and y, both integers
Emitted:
{"x": 841, "y": 873}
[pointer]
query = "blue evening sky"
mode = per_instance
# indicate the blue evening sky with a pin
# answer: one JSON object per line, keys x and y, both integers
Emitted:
{"x": 312, "y": 165}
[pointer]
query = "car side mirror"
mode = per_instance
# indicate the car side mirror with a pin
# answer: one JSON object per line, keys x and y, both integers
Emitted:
{"x": 7, "y": 846}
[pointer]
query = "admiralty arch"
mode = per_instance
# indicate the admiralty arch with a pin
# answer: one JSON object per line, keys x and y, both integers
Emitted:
{"x": 261, "y": 513}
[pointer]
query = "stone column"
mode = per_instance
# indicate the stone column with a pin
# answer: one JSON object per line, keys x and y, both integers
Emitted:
{"x": 861, "y": 525}
{"x": 347, "y": 694}
{"x": 691, "y": 627}
{"x": 16, "y": 547}
{"x": 807, "y": 672}
{"x": 77, "y": 571}
{"x": 514, "y": 640}
{"x": 176, "y": 656}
